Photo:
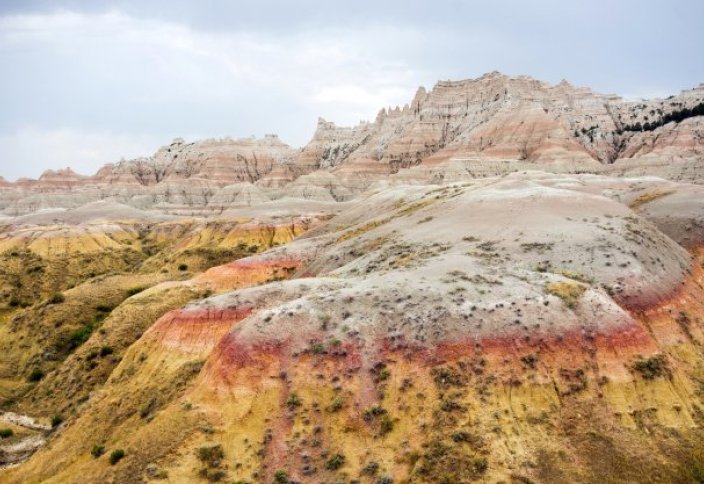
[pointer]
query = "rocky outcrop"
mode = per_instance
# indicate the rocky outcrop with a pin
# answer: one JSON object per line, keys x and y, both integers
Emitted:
{"x": 458, "y": 130}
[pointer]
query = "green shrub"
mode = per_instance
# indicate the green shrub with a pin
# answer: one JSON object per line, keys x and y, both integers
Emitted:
{"x": 116, "y": 456}
{"x": 651, "y": 368}
{"x": 5, "y": 433}
{"x": 335, "y": 462}
{"x": 105, "y": 351}
{"x": 293, "y": 401}
{"x": 336, "y": 404}
{"x": 97, "y": 451}
{"x": 281, "y": 477}
{"x": 212, "y": 475}
{"x": 135, "y": 290}
{"x": 36, "y": 375}
{"x": 182, "y": 267}
{"x": 57, "y": 298}
{"x": 211, "y": 455}
{"x": 386, "y": 425}
{"x": 480, "y": 464}
{"x": 56, "y": 420}
{"x": 79, "y": 336}
{"x": 374, "y": 411}
{"x": 371, "y": 468}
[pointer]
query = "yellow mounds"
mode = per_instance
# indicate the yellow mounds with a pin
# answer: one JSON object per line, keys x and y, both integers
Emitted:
{"x": 569, "y": 292}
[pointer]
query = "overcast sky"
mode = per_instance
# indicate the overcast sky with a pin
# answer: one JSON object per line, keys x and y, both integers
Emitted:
{"x": 83, "y": 83}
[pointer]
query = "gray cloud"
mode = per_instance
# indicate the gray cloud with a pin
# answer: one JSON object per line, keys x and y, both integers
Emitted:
{"x": 90, "y": 82}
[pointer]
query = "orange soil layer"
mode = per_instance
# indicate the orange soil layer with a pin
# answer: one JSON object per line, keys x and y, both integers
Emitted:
{"x": 608, "y": 352}
{"x": 247, "y": 272}
{"x": 194, "y": 330}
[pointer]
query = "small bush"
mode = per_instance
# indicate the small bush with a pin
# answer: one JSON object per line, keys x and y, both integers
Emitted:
{"x": 97, "y": 451}
{"x": 480, "y": 464}
{"x": 36, "y": 375}
{"x": 336, "y": 404}
{"x": 135, "y": 290}
{"x": 371, "y": 468}
{"x": 105, "y": 351}
{"x": 79, "y": 336}
{"x": 335, "y": 462}
{"x": 281, "y": 477}
{"x": 5, "y": 433}
{"x": 211, "y": 455}
{"x": 293, "y": 401}
{"x": 147, "y": 407}
{"x": 57, "y": 298}
{"x": 651, "y": 368}
{"x": 386, "y": 425}
{"x": 212, "y": 475}
{"x": 374, "y": 411}
{"x": 116, "y": 456}
{"x": 56, "y": 420}
{"x": 182, "y": 267}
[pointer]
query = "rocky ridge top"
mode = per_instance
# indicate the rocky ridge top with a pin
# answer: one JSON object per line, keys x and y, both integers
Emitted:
{"x": 459, "y": 129}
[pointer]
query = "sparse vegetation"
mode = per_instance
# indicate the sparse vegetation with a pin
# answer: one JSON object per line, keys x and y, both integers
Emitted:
{"x": 36, "y": 375}
{"x": 116, "y": 456}
{"x": 211, "y": 456}
{"x": 676, "y": 116}
{"x": 653, "y": 367}
{"x": 648, "y": 197}
{"x": 371, "y": 468}
{"x": 336, "y": 404}
{"x": 135, "y": 290}
{"x": 97, "y": 451}
{"x": 57, "y": 298}
{"x": 6, "y": 433}
{"x": 335, "y": 462}
{"x": 293, "y": 401}
{"x": 569, "y": 292}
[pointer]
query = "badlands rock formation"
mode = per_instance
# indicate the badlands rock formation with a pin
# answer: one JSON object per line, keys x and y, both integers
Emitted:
{"x": 501, "y": 282}
{"x": 480, "y": 127}
{"x": 532, "y": 326}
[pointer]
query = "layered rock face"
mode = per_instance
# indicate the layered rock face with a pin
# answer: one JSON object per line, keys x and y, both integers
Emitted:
{"x": 516, "y": 121}
{"x": 179, "y": 178}
{"x": 458, "y": 130}
{"x": 409, "y": 300}
{"x": 532, "y": 326}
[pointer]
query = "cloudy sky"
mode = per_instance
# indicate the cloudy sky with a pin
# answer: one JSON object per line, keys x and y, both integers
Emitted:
{"x": 83, "y": 83}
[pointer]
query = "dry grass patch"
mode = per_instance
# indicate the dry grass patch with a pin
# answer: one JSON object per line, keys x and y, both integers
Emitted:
{"x": 569, "y": 292}
{"x": 648, "y": 197}
{"x": 361, "y": 230}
